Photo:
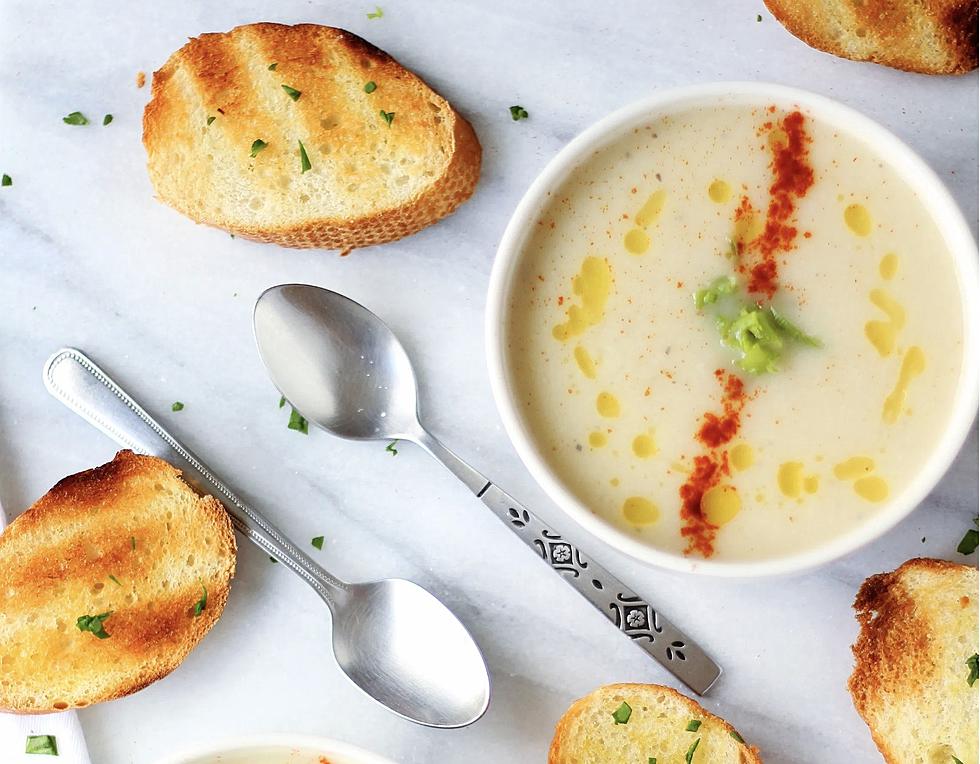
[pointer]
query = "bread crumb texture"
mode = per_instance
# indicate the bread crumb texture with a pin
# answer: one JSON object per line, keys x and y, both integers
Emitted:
{"x": 128, "y": 538}
{"x": 369, "y": 181}
{"x": 657, "y": 728}
{"x": 927, "y": 36}
{"x": 910, "y": 681}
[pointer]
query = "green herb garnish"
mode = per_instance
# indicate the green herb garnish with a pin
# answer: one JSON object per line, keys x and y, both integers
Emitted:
{"x": 75, "y": 118}
{"x": 106, "y": 120}
{"x": 388, "y": 116}
{"x": 176, "y": 406}
{"x": 737, "y": 737}
{"x": 517, "y": 113}
{"x": 272, "y": 67}
{"x": 93, "y": 623}
{"x": 623, "y": 713}
{"x": 282, "y": 401}
{"x": 968, "y": 544}
{"x": 721, "y": 286}
{"x": 758, "y": 17}
{"x": 652, "y": 760}
{"x": 957, "y": 761}
{"x": 693, "y": 726}
{"x": 115, "y": 580}
{"x": 45, "y": 744}
{"x": 257, "y": 145}
{"x": 317, "y": 542}
{"x": 202, "y": 602}
{"x": 132, "y": 543}
{"x": 298, "y": 423}
{"x": 689, "y": 756}
{"x": 971, "y": 662}
{"x": 304, "y": 160}
{"x": 390, "y": 448}
{"x": 292, "y": 92}
{"x": 6, "y": 180}
{"x": 792, "y": 330}
{"x": 377, "y": 13}
{"x": 370, "y": 87}
{"x": 211, "y": 119}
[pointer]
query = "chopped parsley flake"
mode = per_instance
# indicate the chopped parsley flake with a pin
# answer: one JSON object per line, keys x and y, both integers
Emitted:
{"x": 75, "y": 118}
{"x": 298, "y": 423}
{"x": 106, "y": 120}
{"x": 93, "y": 623}
{"x": 304, "y": 160}
{"x": 272, "y": 67}
{"x": 282, "y": 401}
{"x": 758, "y": 17}
{"x": 370, "y": 87}
{"x": 689, "y": 756}
{"x": 132, "y": 543}
{"x": 211, "y": 119}
{"x": 693, "y": 726}
{"x": 6, "y": 180}
{"x": 971, "y": 662}
{"x": 652, "y": 760}
{"x": 388, "y": 116}
{"x": 957, "y": 761}
{"x": 115, "y": 580}
{"x": 377, "y": 13}
{"x": 202, "y": 602}
{"x": 517, "y": 113}
{"x": 317, "y": 542}
{"x": 622, "y": 714}
{"x": 737, "y": 737}
{"x": 292, "y": 92}
{"x": 257, "y": 145}
{"x": 968, "y": 544}
{"x": 177, "y": 406}
{"x": 390, "y": 448}
{"x": 44, "y": 744}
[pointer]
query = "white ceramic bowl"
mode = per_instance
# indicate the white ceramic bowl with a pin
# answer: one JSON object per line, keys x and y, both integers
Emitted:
{"x": 286, "y": 749}
{"x": 908, "y": 165}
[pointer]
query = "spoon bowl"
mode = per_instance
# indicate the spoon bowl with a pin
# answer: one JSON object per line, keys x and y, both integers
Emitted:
{"x": 355, "y": 380}
{"x": 395, "y": 640}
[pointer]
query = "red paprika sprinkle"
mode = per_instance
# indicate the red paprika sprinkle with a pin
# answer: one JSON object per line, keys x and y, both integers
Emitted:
{"x": 715, "y": 432}
{"x": 792, "y": 178}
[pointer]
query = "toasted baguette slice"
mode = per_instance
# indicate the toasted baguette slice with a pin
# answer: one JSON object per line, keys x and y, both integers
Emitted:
{"x": 928, "y": 36}
{"x": 911, "y": 678}
{"x": 657, "y": 728}
{"x": 129, "y": 538}
{"x": 372, "y": 178}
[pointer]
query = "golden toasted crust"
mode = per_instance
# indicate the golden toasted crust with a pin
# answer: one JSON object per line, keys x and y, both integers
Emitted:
{"x": 927, "y": 36}
{"x": 910, "y": 681}
{"x": 657, "y": 726}
{"x": 370, "y": 182}
{"x": 130, "y": 538}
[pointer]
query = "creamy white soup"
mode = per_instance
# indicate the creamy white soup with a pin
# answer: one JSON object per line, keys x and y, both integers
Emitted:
{"x": 735, "y": 333}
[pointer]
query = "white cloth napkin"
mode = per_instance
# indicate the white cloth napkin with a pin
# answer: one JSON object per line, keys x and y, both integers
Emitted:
{"x": 64, "y": 727}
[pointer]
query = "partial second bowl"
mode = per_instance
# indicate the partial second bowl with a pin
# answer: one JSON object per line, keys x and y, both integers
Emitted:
{"x": 276, "y": 749}
{"x": 731, "y": 329}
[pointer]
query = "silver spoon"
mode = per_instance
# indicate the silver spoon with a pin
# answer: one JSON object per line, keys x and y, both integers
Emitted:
{"x": 343, "y": 369}
{"x": 395, "y": 641}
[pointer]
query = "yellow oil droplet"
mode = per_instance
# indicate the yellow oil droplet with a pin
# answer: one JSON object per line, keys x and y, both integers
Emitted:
{"x": 858, "y": 219}
{"x": 760, "y": 497}
{"x": 598, "y": 439}
{"x": 720, "y": 504}
{"x": 644, "y": 446}
{"x": 607, "y": 405}
{"x": 651, "y": 209}
{"x": 790, "y": 479}
{"x": 640, "y": 511}
{"x": 888, "y": 267}
{"x": 585, "y": 362}
{"x": 741, "y": 456}
{"x": 719, "y": 192}
{"x": 747, "y": 228}
{"x": 913, "y": 364}
{"x": 884, "y": 334}
{"x": 614, "y": 482}
{"x": 680, "y": 467}
{"x": 592, "y": 286}
{"x": 778, "y": 139}
{"x": 855, "y": 467}
{"x": 636, "y": 241}
{"x": 811, "y": 483}
{"x": 872, "y": 488}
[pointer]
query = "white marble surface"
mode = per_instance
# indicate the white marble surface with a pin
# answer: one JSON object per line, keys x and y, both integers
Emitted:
{"x": 88, "y": 258}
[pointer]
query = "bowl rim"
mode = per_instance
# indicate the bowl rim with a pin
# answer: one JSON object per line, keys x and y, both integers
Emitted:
{"x": 238, "y": 744}
{"x": 903, "y": 159}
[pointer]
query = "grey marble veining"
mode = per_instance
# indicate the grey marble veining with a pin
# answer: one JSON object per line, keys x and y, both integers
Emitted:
{"x": 88, "y": 258}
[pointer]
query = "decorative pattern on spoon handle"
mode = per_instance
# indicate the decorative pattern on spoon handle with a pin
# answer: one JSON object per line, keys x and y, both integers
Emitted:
{"x": 633, "y": 616}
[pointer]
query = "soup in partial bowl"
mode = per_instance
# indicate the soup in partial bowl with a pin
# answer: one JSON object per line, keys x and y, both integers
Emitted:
{"x": 276, "y": 749}
{"x": 731, "y": 329}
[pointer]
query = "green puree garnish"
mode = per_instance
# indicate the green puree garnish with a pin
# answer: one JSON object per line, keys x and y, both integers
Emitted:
{"x": 759, "y": 334}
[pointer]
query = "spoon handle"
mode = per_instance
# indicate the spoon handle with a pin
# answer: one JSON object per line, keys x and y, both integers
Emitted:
{"x": 631, "y": 614}
{"x": 75, "y": 380}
